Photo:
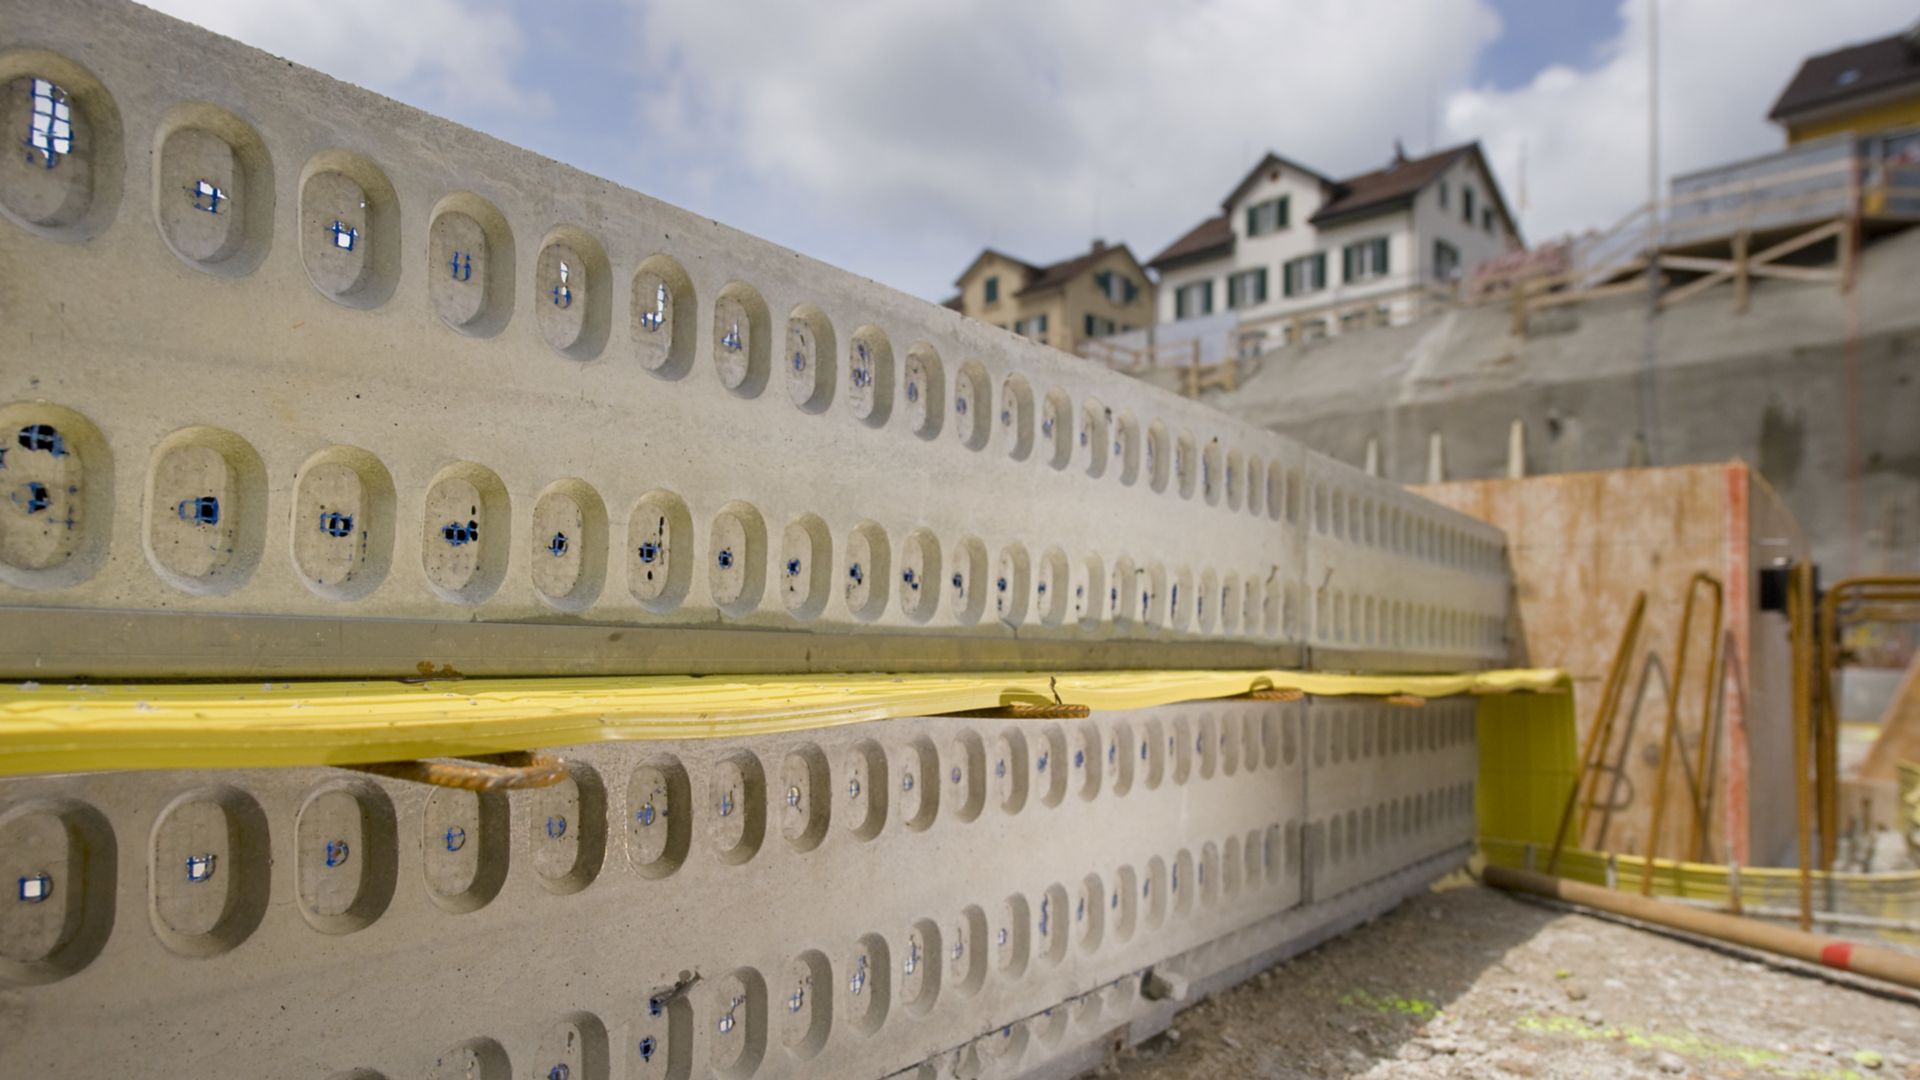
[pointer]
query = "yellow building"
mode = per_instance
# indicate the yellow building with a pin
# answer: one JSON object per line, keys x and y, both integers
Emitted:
{"x": 1103, "y": 291}
{"x": 1863, "y": 89}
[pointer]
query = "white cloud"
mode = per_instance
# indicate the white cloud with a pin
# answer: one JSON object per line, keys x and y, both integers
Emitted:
{"x": 1722, "y": 64}
{"x": 1035, "y": 126}
{"x": 896, "y": 139}
{"x": 447, "y": 55}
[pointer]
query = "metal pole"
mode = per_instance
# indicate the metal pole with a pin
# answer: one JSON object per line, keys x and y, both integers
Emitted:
{"x": 1606, "y": 740}
{"x": 1799, "y": 604}
{"x": 1602, "y": 722}
{"x": 1649, "y": 407}
{"x": 1698, "y": 835}
{"x": 1838, "y": 953}
{"x": 1675, "y": 682}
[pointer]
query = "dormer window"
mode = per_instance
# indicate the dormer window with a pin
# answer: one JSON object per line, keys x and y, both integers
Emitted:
{"x": 1267, "y": 217}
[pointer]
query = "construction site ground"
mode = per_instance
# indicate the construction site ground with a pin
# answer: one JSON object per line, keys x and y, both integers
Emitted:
{"x": 1467, "y": 981}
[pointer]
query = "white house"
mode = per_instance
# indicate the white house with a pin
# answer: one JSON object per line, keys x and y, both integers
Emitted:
{"x": 1296, "y": 253}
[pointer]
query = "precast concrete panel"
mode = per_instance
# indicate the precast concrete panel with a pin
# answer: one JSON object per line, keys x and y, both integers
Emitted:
{"x": 853, "y": 901}
{"x": 300, "y": 381}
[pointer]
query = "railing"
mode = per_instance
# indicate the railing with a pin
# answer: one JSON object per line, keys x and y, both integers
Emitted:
{"x": 1135, "y": 359}
{"x": 1257, "y": 337}
{"x": 1797, "y": 199}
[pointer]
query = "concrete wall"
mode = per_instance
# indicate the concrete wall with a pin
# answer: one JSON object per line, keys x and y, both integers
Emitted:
{"x": 1783, "y": 387}
{"x": 472, "y": 398}
{"x": 980, "y": 895}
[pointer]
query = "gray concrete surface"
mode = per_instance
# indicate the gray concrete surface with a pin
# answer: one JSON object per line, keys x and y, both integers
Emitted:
{"x": 1807, "y": 380}
{"x": 983, "y": 897}
{"x": 416, "y": 374}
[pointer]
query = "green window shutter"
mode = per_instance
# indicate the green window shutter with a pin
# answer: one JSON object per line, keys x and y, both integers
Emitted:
{"x": 1283, "y": 211}
{"x": 1206, "y": 304}
{"x": 1286, "y": 279}
{"x": 1253, "y": 222}
{"x": 1320, "y": 270}
{"x": 1346, "y": 263}
{"x": 1383, "y": 254}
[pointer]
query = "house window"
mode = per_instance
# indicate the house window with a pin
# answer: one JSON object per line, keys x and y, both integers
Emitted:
{"x": 993, "y": 290}
{"x": 1486, "y": 218}
{"x": 1306, "y": 274}
{"x": 1247, "y": 288}
{"x": 1192, "y": 300}
{"x": 1364, "y": 260}
{"x": 1116, "y": 287}
{"x": 1033, "y": 326}
{"x": 1466, "y": 205}
{"x": 1098, "y": 327}
{"x": 1443, "y": 194}
{"x": 1446, "y": 261}
{"x": 1267, "y": 217}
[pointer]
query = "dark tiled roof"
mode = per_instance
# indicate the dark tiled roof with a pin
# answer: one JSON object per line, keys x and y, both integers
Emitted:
{"x": 953, "y": 302}
{"x": 1057, "y": 274}
{"x": 989, "y": 252}
{"x": 1852, "y": 72}
{"x": 1396, "y": 183}
{"x": 1271, "y": 161}
{"x": 1377, "y": 190}
{"x": 1211, "y": 237}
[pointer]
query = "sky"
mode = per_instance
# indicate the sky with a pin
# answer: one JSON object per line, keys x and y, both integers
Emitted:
{"x": 896, "y": 138}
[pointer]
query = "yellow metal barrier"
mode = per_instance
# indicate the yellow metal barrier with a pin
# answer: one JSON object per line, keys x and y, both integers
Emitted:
{"x": 73, "y": 728}
{"x": 1527, "y": 766}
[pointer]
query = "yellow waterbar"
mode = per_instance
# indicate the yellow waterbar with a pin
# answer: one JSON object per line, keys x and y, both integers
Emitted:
{"x": 53, "y": 727}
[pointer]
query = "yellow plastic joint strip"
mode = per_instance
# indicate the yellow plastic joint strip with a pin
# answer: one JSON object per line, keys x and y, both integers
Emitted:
{"x": 77, "y": 728}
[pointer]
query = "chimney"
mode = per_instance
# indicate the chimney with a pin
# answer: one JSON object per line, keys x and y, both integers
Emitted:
{"x": 1099, "y": 244}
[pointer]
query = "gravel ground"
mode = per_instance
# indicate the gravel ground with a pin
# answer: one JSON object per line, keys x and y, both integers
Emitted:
{"x": 1466, "y": 981}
